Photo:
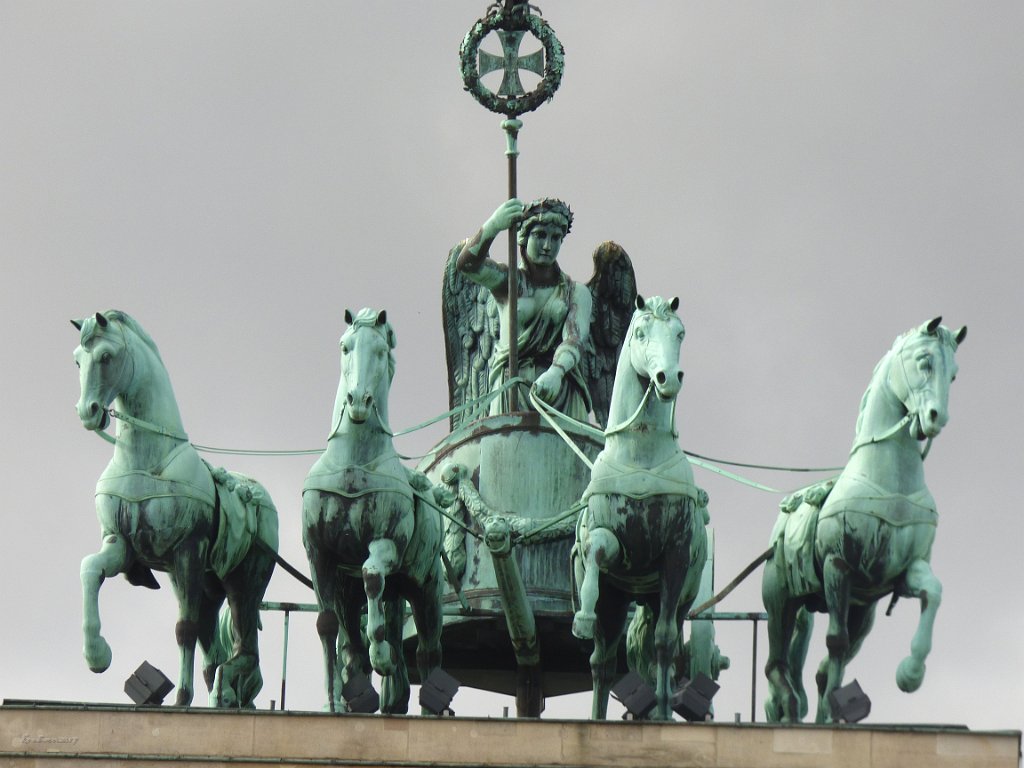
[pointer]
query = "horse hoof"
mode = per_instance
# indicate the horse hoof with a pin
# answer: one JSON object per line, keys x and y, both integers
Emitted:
{"x": 98, "y": 655}
{"x": 583, "y": 625}
{"x": 382, "y": 658}
{"x": 184, "y": 698}
{"x": 910, "y": 674}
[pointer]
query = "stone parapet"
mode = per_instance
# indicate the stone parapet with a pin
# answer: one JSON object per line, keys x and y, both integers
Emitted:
{"x": 48, "y": 735}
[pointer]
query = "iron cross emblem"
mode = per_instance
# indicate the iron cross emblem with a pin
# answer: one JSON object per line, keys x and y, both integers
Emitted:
{"x": 510, "y": 62}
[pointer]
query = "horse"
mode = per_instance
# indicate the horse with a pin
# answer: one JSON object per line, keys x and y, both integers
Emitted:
{"x": 641, "y": 537}
{"x": 161, "y": 507}
{"x": 370, "y": 540}
{"x": 841, "y": 546}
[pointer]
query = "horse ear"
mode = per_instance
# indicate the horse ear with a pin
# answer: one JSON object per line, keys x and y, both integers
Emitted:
{"x": 382, "y": 317}
{"x": 78, "y": 324}
{"x": 961, "y": 335}
{"x": 934, "y": 325}
{"x": 640, "y": 301}
{"x": 674, "y": 303}
{"x": 101, "y": 320}
{"x": 348, "y": 317}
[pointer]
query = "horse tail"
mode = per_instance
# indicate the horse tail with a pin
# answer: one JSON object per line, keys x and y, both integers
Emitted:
{"x": 640, "y": 643}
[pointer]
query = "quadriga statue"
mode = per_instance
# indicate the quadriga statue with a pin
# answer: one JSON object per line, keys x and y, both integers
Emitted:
{"x": 161, "y": 507}
{"x": 841, "y": 546}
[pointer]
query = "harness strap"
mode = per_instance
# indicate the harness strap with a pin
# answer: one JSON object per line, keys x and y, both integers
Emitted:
{"x": 147, "y": 425}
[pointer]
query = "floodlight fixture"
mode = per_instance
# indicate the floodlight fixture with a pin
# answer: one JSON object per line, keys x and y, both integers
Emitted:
{"x": 635, "y": 695}
{"x": 148, "y": 686}
{"x": 360, "y": 695}
{"x": 692, "y": 700}
{"x": 437, "y": 692}
{"x": 849, "y": 703}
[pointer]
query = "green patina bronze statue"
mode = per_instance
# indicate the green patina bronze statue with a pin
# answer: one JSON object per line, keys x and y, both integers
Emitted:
{"x": 372, "y": 543}
{"x": 568, "y": 334}
{"x": 161, "y": 507}
{"x": 841, "y": 546}
{"x": 641, "y": 537}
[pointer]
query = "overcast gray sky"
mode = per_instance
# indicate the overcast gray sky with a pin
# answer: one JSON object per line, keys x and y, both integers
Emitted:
{"x": 811, "y": 179}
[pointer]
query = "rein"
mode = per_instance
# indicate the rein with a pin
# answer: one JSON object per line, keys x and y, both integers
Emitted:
{"x": 146, "y": 425}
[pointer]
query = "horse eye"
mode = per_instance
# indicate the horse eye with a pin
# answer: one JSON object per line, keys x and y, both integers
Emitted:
{"x": 105, "y": 358}
{"x": 640, "y": 334}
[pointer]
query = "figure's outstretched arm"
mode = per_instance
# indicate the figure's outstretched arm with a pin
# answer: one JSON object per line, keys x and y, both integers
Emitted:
{"x": 474, "y": 261}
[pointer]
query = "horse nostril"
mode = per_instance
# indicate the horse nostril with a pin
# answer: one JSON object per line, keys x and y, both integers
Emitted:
{"x": 933, "y": 415}
{"x": 680, "y": 375}
{"x": 661, "y": 377}
{"x": 94, "y": 408}
{"x": 351, "y": 400}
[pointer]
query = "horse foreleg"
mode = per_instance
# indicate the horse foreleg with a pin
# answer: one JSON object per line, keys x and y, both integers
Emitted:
{"x": 608, "y": 630}
{"x": 110, "y": 560}
{"x": 782, "y": 704}
{"x": 187, "y": 580}
{"x": 836, "y": 580}
{"x": 382, "y": 562}
{"x": 602, "y": 552}
{"x": 394, "y": 689}
{"x": 425, "y": 603}
{"x": 678, "y": 588}
{"x": 920, "y": 581}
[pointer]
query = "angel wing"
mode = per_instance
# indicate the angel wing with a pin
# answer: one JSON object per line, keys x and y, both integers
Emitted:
{"x": 613, "y": 288}
{"x": 470, "y": 316}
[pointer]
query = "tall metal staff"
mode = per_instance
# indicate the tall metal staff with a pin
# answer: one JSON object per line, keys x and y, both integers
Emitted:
{"x": 511, "y": 20}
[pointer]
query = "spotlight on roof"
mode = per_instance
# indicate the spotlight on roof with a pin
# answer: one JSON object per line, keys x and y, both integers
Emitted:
{"x": 148, "y": 686}
{"x": 635, "y": 695}
{"x": 692, "y": 701}
{"x": 849, "y": 704}
{"x": 437, "y": 692}
{"x": 360, "y": 695}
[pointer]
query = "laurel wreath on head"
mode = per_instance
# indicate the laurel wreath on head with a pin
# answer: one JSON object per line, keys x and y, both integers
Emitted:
{"x": 516, "y": 21}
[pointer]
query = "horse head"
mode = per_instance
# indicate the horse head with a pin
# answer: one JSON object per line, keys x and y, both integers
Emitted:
{"x": 367, "y": 364}
{"x": 654, "y": 337}
{"x": 921, "y": 368}
{"x": 103, "y": 361}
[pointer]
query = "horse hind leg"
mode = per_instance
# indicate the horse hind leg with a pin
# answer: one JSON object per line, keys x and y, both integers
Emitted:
{"x": 602, "y": 551}
{"x": 382, "y": 562}
{"x": 922, "y": 582}
{"x": 110, "y": 560}
{"x": 239, "y": 679}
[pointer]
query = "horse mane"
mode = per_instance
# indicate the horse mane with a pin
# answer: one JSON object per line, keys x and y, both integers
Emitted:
{"x": 91, "y": 326}
{"x": 133, "y": 325}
